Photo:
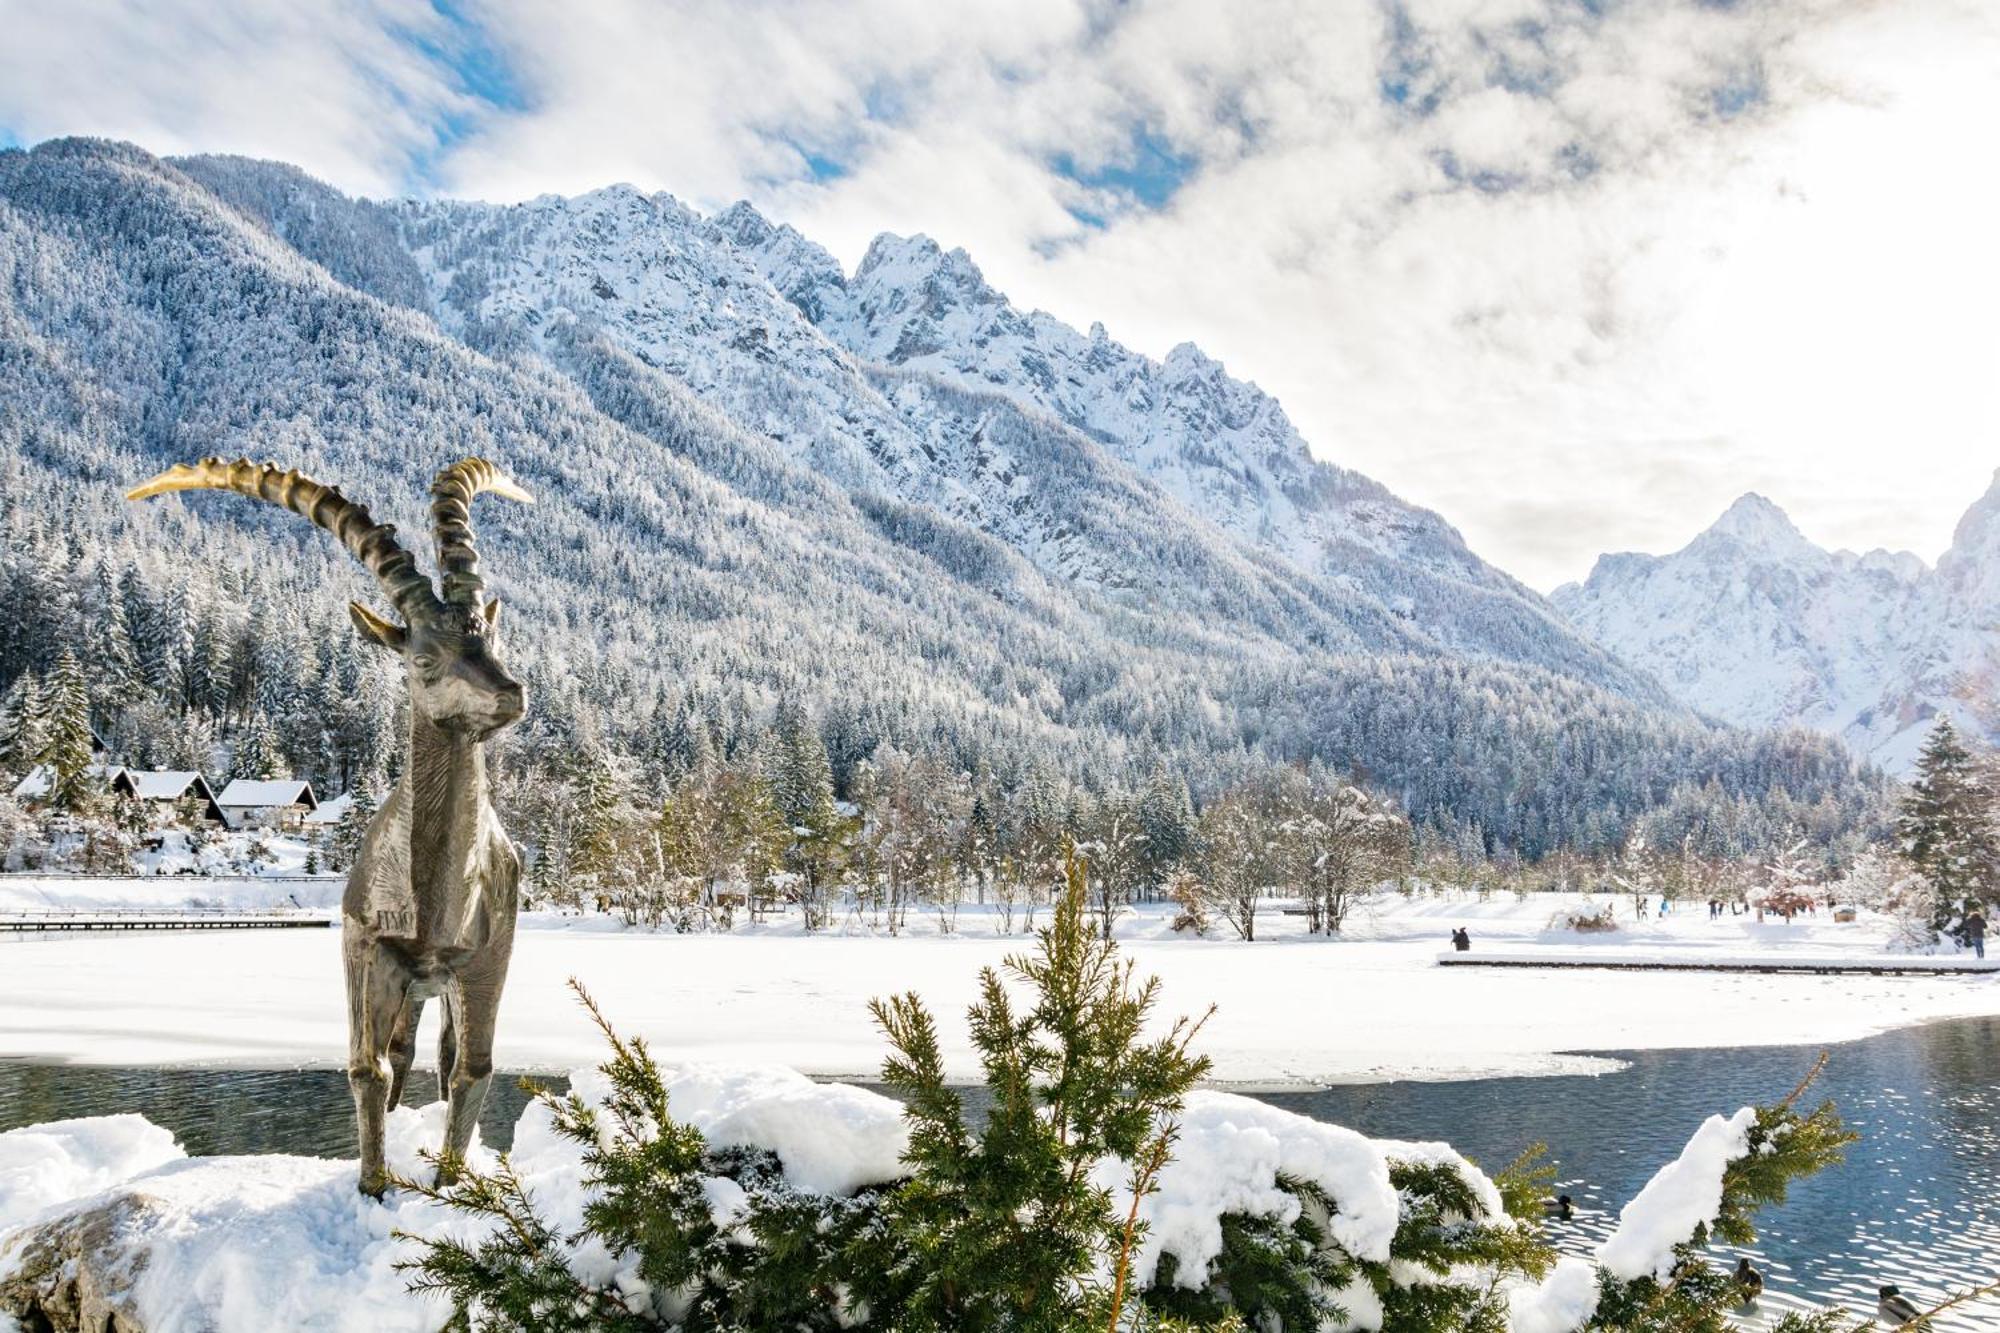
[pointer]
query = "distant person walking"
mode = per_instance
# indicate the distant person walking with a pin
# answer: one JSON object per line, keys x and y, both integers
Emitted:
{"x": 1975, "y": 931}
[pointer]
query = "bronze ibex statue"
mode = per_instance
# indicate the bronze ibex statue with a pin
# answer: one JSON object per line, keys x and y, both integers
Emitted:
{"x": 431, "y": 899}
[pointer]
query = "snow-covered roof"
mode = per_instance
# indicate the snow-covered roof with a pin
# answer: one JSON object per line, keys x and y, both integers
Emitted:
{"x": 333, "y": 811}
{"x": 161, "y": 784}
{"x": 41, "y": 778}
{"x": 250, "y": 794}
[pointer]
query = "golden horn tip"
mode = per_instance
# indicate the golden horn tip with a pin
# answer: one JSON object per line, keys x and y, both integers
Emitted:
{"x": 159, "y": 485}
{"x": 505, "y": 487}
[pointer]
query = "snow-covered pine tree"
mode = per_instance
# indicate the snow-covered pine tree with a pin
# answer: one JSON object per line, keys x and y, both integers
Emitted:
{"x": 595, "y": 798}
{"x": 1947, "y": 825}
{"x": 344, "y": 846}
{"x": 801, "y": 781}
{"x": 66, "y": 747}
{"x": 23, "y": 726}
{"x": 1166, "y": 823}
{"x": 191, "y": 745}
{"x": 257, "y": 755}
{"x": 113, "y": 674}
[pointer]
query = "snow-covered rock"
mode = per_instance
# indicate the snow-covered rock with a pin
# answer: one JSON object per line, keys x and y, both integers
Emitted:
{"x": 220, "y": 1243}
{"x": 47, "y": 1164}
{"x": 1754, "y": 624}
{"x": 103, "y": 1218}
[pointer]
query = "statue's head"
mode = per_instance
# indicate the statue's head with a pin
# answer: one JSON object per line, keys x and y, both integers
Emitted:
{"x": 447, "y": 635}
{"x": 457, "y": 682}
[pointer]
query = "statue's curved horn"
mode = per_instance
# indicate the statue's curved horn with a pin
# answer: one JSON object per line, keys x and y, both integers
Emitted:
{"x": 451, "y": 524}
{"x": 373, "y": 544}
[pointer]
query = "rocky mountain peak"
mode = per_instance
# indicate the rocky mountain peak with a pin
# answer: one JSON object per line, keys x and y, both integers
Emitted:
{"x": 1760, "y": 526}
{"x": 1219, "y": 446}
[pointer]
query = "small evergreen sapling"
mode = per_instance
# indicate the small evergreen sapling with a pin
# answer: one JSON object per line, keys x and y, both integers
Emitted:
{"x": 1009, "y": 1227}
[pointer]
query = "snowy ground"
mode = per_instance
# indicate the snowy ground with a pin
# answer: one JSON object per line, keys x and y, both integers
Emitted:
{"x": 1291, "y": 1010}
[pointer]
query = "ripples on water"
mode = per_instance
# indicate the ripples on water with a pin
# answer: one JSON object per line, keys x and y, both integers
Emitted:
{"x": 1916, "y": 1204}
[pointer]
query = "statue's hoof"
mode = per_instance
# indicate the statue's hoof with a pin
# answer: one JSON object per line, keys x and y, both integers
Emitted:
{"x": 375, "y": 1185}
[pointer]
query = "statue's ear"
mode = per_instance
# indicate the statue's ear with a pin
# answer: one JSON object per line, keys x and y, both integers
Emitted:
{"x": 493, "y": 615}
{"x": 377, "y": 630}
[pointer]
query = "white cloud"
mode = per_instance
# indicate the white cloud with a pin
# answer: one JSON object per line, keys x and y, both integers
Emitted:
{"x": 343, "y": 89}
{"x": 1575, "y": 244}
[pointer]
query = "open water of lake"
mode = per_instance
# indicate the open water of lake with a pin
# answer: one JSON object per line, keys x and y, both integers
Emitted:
{"x": 1917, "y": 1203}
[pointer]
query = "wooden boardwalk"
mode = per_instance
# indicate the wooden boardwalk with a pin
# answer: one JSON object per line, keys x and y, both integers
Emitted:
{"x": 1874, "y": 967}
{"x": 19, "y": 923}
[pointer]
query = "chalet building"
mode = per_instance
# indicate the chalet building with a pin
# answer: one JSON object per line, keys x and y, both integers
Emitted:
{"x": 34, "y": 789}
{"x": 276, "y": 803}
{"x": 330, "y": 812}
{"x": 162, "y": 790}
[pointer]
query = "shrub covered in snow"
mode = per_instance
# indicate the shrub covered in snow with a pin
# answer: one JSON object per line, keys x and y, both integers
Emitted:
{"x": 1652, "y": 1274}
{"x": 1100, "y": 1190}
{"x": 1586, "y": 918}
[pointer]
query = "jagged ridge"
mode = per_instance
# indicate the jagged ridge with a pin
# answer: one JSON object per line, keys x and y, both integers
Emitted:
{"x": 1756, "y": 625}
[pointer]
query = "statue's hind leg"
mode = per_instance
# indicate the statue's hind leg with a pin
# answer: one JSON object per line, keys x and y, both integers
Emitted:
{"x": 473, "y": 1005}
{"x": 377, "y": 988}
{"x": 447, "y": 1050}
{"x": 403, "y": 1048}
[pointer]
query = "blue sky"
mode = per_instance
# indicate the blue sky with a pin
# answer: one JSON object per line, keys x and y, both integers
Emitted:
{"x": 1575, "y": 275}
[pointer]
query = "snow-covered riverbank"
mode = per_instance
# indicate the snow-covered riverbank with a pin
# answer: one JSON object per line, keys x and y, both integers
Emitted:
{"x": 1291, "y": 1009}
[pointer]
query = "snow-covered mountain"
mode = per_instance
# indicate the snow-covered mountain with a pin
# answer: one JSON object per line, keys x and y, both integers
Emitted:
{"x": 1754, "y": 624}
{"x": 1168, "y": 483}
{"x": 1223, "y": 448}
{"x": 1207, "y": 503}
{"x": 739, "y": 507}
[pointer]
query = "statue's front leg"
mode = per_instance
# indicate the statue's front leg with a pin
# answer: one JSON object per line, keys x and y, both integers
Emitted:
{"x": 377, "y": 990}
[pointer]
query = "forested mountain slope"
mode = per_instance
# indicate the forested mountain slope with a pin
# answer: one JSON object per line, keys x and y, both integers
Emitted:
{"x": 706, "y": 545}
{"x": 1754, "y": 624}
{"x": 1207, "y": 501}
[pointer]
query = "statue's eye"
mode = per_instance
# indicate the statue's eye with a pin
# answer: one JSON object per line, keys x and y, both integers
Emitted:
{"x": 425, "y": 661}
